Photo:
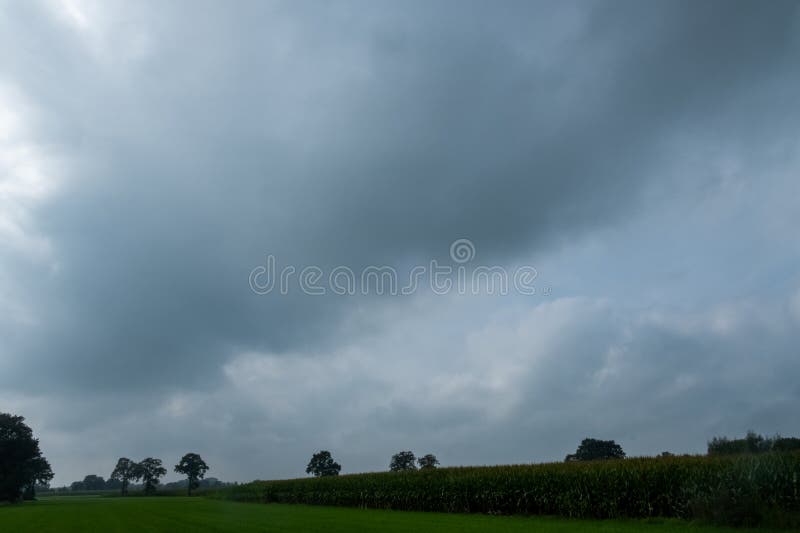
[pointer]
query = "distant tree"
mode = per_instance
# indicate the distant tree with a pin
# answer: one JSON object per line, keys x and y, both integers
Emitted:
{"x": 751, "y": 443}
{"x": 94, "y": 482}
{"x": 113, "y": 484}
{"x": 322, "y": 464}
{"x": 205, "y": 483}
{"x": 402, "y": 461}
{"x": 150, "y": 470}
{"x": 786, "y": 444}
{"x": 726, "y": 446}
{"x": 194, "y": 468}
{"x": 756, "y": 443}
{"x": 427, "y": 462}
{"x": 21, "y": 462}
{"x": 77, "y": 486}
{"x": 210, "y": 482}
{"x": 594, "y": 449}
{"x": 666, "y": 454}
{"x": 125, "y": 472}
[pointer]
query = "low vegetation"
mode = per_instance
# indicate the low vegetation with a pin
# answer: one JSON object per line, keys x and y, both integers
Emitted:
{"x": 749, "y": 481}
{"x": 741, "y": 490}
{"x": 113, "y": 515}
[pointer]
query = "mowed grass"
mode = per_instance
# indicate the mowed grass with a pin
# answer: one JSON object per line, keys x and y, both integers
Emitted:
{"x": 200, "y": 514}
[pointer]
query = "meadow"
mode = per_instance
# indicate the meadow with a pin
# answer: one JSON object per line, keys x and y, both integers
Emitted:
{"x": 142, "y": 514}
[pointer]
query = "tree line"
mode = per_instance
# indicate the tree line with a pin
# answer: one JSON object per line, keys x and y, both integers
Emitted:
{"x": 150, "y": 471}
{"x": 752, "y": 443}
{"x": 322, "y": 463}
{"x": 590, "y": 449}
{"x": 93, "y": 483}
{"x": 23, "y": 467}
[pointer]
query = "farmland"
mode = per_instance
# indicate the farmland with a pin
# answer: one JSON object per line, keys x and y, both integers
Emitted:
{"x": 735, "y": 490}
{"x": 78, "y": 514}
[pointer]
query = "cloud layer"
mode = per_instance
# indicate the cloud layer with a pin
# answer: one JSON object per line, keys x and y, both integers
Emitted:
{"x": 643, "y": 158}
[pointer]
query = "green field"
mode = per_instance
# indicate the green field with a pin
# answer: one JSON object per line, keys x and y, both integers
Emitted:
{"x": 200, "y": 514}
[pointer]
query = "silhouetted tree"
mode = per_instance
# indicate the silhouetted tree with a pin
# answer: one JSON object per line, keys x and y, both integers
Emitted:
{"x": 125, "y": 472}
{"x": 150, "y": 470}
{"x": 193, "y": 467}
{"x": 427, "y": 462}
{"x": 594, "y": 449}
{"x": 322, "y": 464}
{"x": 402, "y": 461}
{"x": 94, "y": 482}
{"x": 21, "y": 462}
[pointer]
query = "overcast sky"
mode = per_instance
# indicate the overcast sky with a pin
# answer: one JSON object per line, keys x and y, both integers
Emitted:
{"x": 642, "y": 156}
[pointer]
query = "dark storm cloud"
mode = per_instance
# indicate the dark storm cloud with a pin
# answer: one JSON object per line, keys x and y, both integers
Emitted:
{"x": 194, "y": 139}
{"x": 374, "y": 135}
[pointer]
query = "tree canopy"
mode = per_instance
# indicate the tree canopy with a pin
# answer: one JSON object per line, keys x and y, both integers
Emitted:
{"x": 403, "y": 461}
{"x": 193, "y": 467}
{"x": 150, "y": 470}
{"x": 427, "y": 462}
{"x": 125, "y": 472}
{"x": 21, "y": 462}
{"x": 94, "y": 482}
{"x": 595, "y": 449}
{"x": 322, "y": 464}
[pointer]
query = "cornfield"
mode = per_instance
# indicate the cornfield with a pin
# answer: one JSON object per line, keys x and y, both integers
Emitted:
{"x": 640, "y": 487}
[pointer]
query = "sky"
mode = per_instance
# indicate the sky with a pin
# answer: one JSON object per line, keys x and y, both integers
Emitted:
{"x": 636, "y": 162}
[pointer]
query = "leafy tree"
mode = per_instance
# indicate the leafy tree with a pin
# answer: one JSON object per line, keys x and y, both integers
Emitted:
{"x": 21, "y": 462}
{"x": 322, "y": 464}
{"x": 93, "y": 482}
{"x": 125, "y": 472}
{"x": 193, "y": 467}
{"x": 427, "y": 462}
{"x": 594, "y": 449}
{"x": 150, "y": 470}
{"x": 402, "y": 461}
{"x": 76, "y": 486}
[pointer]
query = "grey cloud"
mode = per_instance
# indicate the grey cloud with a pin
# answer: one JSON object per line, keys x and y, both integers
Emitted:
{"x": 195, "y": 139}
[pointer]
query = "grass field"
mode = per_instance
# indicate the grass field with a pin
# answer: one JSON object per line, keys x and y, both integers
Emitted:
{"x": 200, "y": 514}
